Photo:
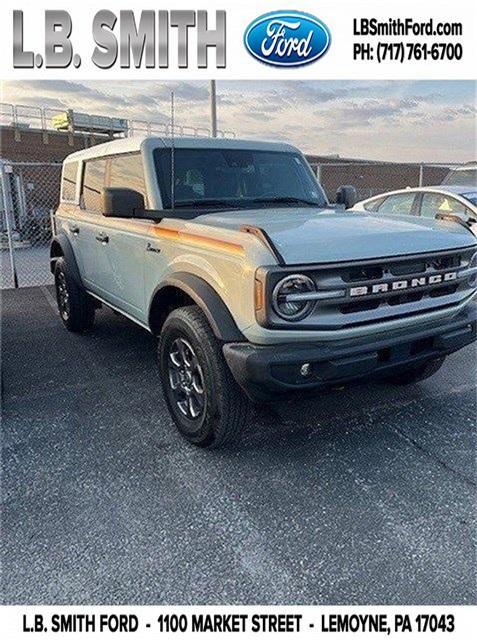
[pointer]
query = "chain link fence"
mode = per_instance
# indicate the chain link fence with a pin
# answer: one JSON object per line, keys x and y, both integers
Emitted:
{"x": 29, "y": 193}
{"x": 373, "y": 178}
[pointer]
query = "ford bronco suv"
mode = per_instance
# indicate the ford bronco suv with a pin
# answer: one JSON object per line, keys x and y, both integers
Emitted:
{"x": 230, "y": 253}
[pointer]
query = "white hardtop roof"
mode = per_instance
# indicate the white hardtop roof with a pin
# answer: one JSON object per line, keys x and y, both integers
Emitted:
{"x": 136, "y": 143}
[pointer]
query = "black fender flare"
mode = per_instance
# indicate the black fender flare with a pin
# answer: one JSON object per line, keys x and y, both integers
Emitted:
{"x": 208, "y": 300}
{"x": 63, "y": 241}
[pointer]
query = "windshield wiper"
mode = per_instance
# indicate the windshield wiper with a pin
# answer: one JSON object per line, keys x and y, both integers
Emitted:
{"x": 287, "y": 200}
{"x": 246, "y": 202}
{"x": 209, "y": 202}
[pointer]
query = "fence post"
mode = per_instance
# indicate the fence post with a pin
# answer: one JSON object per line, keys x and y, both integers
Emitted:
{"x": 318, "y": 172}
{"x": 8, "y": 207}
{"x": 421, "y": 175}
{"x": 52, "y": 222}
{"x": 21, "y": 200}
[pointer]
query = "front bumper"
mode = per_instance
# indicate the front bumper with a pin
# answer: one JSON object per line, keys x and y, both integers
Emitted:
{"x": 265, "y": 371}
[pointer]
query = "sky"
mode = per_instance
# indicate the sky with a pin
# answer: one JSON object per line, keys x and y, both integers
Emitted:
{"x": 428, "y": 121}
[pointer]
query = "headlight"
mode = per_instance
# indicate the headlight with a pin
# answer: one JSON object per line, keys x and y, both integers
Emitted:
{"x": 286, "y": 297}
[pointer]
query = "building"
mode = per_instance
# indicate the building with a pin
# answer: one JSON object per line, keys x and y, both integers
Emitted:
{"x": 30, "y": 136}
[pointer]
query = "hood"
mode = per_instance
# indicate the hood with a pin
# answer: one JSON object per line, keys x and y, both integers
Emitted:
{"x": 306, "y": 235}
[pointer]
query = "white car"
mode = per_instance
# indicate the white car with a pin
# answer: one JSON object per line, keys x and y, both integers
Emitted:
{"x": 450, "y": 202}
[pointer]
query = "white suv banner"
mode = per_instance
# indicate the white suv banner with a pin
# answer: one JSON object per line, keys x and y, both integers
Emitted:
{"x": 267, "y": 39}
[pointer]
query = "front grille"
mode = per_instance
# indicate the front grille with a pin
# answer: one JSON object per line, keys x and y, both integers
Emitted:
{"x": 376, "y": 290}
{"x": 354, "y": 307}
{"x": 363, "y": 273}
{"x": 403, "y": 298}
{"x": 407, "y": 268}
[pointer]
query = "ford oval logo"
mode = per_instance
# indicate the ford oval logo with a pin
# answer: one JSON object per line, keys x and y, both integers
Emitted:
{"x": 287, "y": 38}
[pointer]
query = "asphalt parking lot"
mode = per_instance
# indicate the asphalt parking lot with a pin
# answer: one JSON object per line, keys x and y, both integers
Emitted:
{"x": 363, "y": 495}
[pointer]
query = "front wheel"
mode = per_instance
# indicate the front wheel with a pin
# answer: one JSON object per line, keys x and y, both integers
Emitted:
{"x": 206, "y": 404}
{"x": 417, "y": 374}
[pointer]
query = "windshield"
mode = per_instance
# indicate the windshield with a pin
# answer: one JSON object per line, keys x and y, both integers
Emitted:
{"x": 471, "y": 196}
{"x": 236, "y": 178}
{"x": 461, "y": 176}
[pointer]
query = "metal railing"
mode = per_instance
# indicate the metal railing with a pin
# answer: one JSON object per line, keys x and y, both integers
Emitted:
{"x": 25, "y": 117}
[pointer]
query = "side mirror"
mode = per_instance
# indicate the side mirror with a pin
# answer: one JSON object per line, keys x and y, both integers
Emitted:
{"x": 121, "y": 203}
{"x": 346, "y": 195}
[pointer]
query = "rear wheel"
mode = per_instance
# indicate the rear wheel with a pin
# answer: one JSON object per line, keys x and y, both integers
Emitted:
{"x": 417, "y": 374}
{"x": 206, "y": 404}
{"x": 75, "y": 306}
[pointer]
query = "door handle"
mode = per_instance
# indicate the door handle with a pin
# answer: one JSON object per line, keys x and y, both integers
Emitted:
{"x": 103, "y": 238}
{"x": 75, "y": 231}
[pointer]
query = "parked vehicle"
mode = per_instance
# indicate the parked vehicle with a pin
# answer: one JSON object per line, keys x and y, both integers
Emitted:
{"x": 464, "y": 175}
{"x": 454, "y": 203}
{"x": 229, "y": 252}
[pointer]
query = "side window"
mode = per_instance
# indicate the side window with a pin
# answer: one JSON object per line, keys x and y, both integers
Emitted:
{"x": 433, "y": 203}
{"x": 400, "y": 204}
{"x": 374, "y": 204}
{"x": 93, "y": 184}
{"x": 68, "y": 182}
{"x": 126, "y": 171}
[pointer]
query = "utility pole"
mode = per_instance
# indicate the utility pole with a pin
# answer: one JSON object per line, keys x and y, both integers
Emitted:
{"x": 173, "y": 156}
{"x": 213, "y": 108}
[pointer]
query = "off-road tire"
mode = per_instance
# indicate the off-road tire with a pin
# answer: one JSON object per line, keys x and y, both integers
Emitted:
{"x": 417, "y": 374}
{"x": 77, "y": 314}
{"x": 225, "y": 407}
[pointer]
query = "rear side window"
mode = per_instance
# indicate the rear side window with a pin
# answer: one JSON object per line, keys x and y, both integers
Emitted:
{"x": 374, "y": 205}
{"x": 126, "y": 171}
{"x": 68, "y": 182}
{"x": 93, "y": 184}
{"x": 400, "y": 204}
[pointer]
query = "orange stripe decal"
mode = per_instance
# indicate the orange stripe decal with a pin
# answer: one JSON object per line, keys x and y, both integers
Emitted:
{"x": 165, "y": 233}
{"x": 198, "y": 240}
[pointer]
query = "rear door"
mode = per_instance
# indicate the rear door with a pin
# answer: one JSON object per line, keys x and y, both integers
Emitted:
{"x": 68, "y": 218}
{"x": 93, "y": 182}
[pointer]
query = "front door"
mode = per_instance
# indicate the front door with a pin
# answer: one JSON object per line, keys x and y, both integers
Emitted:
{"x": 117, "y": 245}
